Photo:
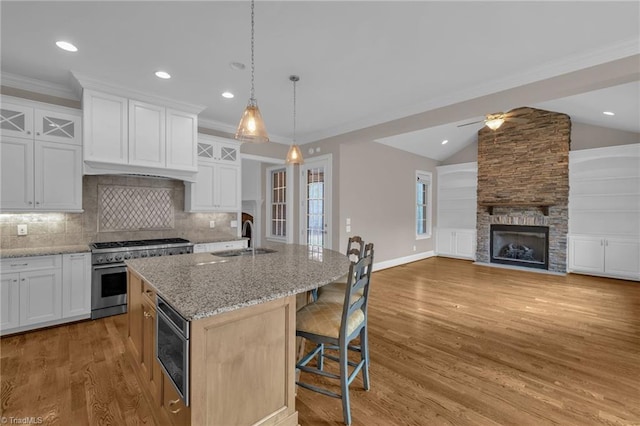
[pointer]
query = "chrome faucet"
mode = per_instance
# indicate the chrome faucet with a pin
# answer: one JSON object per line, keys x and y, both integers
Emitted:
{"x": 244, "y": 230}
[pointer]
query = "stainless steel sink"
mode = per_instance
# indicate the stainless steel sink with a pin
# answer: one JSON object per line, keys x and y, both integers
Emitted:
{"x": 245, "y": 252}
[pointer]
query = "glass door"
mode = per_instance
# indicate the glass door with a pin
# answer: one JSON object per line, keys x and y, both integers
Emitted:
{"x": 315, "y": 194}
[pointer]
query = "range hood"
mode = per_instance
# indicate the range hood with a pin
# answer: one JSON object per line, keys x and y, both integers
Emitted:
{"x": 100, "y": 168}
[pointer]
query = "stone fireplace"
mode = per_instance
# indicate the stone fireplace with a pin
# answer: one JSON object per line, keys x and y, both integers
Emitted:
{"x": 523, "y": 181}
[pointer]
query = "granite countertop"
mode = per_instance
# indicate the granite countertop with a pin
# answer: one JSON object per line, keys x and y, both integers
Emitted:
{"x": 43, "y": 251}
{"x": 203, "y": 284}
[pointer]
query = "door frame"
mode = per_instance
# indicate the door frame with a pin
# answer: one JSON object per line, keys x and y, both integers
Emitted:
{"x": 327, "y": 159}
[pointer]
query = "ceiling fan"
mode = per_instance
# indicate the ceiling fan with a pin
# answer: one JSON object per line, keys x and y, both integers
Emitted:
{"x": 495, "y": 120}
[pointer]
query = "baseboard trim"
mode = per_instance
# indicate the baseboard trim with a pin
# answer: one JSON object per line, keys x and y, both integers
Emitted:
{"x": 378, "y": 266}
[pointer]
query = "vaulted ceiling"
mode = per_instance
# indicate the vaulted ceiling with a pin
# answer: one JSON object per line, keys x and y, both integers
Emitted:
{"x": 379, "y": 68}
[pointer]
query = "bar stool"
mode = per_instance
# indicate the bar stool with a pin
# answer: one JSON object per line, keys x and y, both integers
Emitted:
{"x": 331, "y": 325}
{"x": 336, "y": 289}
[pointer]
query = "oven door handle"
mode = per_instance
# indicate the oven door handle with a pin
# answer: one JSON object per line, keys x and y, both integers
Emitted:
{"x": 116, "y": 265}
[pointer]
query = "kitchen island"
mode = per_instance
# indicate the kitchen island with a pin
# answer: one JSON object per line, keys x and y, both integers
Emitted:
{"x": 241, "y": 313}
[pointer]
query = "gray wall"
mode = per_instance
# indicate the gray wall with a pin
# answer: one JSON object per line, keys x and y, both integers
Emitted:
{"x": 586, "y": 136}
{"x": 377, "y": 191}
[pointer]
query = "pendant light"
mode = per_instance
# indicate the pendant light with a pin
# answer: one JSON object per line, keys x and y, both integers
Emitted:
{"x": 294, "y": 156}
{"x": 251, "y": 127}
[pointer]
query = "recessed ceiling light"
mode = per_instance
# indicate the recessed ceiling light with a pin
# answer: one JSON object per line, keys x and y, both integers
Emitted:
{"x": 227, "y": 95}
{"x": 445, "y": 141}
{"x": 65, "y": 45}
{"x": 163, "y": 74}
{"x": 609, "y": 113}
{"x": 238, "y": 66}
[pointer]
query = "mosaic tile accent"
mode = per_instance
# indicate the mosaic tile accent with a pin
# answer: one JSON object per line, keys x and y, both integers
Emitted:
{"x": 128, "y": 208}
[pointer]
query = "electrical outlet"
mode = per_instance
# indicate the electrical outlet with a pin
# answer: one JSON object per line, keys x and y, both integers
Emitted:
{"x": 348, "y": 228}
{"x": 212, "y": 224}
{"x": 234, "y": 224}
{"x": 414, "y": 248}
{"x": 22, "y": 229}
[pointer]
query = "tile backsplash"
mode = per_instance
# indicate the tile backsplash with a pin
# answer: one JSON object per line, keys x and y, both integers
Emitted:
{"x": 140, "y": 208}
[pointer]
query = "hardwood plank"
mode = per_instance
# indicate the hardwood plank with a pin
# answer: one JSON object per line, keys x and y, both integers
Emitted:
{"x": 452, "y": 343}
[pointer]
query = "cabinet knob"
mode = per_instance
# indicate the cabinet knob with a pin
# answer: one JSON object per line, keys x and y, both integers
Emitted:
{"x": 38, "y": 133}
{"x": 24, "y": 279}
{"x": 30, "y": 202}
{"x": 147, "y": 314}
{"x": 28, "y": 132}
{"x": 37, "y": 203}
{"x": 15, "y": 281}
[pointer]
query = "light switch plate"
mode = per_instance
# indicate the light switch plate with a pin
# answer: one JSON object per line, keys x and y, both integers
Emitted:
{"x": 212, "y": 224}
{"x": 22, "y": 229}
{"x": 348, "y": 228}
{"x": 348, "y": 221}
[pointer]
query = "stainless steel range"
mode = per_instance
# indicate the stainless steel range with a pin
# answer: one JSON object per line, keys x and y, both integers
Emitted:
{"x": 109, "y": 275}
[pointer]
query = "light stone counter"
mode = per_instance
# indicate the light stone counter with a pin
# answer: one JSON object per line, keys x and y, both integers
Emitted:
{"x": 203, "y": 284}
{"x": 43, "y": 251}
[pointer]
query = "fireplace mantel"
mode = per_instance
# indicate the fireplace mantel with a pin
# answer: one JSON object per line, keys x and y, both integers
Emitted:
{"x": 543, "y": 206}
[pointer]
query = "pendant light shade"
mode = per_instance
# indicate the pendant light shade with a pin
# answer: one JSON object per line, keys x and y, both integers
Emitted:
{"x": 294, "y": 156}
{"x": 251, "y": 127}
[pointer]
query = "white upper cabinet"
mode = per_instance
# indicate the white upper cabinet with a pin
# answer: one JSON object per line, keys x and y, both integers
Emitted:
{"x": 22, "y": 118}
{"x": 132, "y": 132}
{"x": 40, "y": 157}
{"x": 16, "y": 170}
{"x": 218, "y": 182}
{"x": 182, "y": 131}
{"x": 105, "y": 127}
{"x": 147, "y": 141}
{"x": 16, "y": 120}
{"x": 58, "y": 177}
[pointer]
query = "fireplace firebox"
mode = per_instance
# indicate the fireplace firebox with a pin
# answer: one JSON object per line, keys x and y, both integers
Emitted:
{"x": 520, "y": 245}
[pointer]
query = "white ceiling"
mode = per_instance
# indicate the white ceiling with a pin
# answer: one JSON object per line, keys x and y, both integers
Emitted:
{"x": 360, "y": 63}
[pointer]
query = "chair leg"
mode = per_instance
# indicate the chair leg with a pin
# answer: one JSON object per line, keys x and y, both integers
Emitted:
{"x": 344, "y": 383}
{"x": 364, "y": 355}
{"x": 320, "y": 361}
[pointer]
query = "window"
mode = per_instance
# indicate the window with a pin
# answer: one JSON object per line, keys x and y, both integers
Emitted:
{"x": 277, "y": 203}
{"x": 423, "y": 204}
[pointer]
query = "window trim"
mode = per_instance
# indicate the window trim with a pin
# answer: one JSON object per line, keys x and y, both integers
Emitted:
{"x": 289, "y": 193}
{"x": 428, "y": 178}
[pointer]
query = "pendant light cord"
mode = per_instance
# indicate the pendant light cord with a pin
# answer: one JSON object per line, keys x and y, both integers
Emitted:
{"x": 252, "y": 45}
{"x": 294, "y": 111}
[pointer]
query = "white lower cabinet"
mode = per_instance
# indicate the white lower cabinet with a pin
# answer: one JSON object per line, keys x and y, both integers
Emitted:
{"x": 76, "y": 288}
{"x": 40, "y": 296}
{"x": 608, "y": 256}
{"x": 44, "y": 290}
{"x": 9, "y": 301}
{"x": 459, "y": 243}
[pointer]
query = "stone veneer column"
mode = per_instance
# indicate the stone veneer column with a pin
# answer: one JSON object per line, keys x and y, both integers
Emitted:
{"x": 522, "y": 166}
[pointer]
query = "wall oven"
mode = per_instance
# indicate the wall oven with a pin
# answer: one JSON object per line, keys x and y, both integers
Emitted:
{"x": 109, "y": 273}
{"x": 172, "y": 346}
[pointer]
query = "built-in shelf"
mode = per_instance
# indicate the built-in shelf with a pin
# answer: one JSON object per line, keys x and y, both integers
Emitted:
{"x": 543, "y": 206}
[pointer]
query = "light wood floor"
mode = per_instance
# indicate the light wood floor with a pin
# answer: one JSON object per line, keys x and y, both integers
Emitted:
{"x": 451, "y": 343}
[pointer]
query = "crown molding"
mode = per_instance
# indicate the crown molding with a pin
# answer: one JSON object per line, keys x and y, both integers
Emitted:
{"x": 38, "y": 86}
{"x": 91, "y": 83}
{"x": 620, "y": 50}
